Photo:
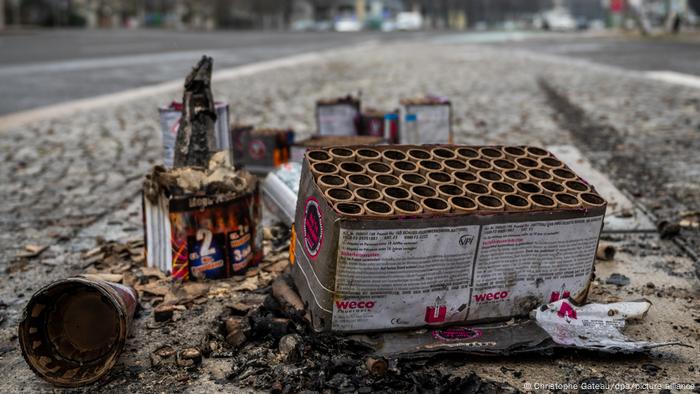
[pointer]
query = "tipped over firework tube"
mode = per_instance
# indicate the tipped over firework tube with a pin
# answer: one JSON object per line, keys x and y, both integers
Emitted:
{"x": 576, "y": 187}
{"x": 563, "y": 174}
{"x": 515, "y": 176}
{"x": 337, "y": 194}
{"x": 605, "y": 251}
{"x": 513, "y": 152}
{"x": 377, "y": 167}
{"x": 349, "y": 208}
{"x": 363, "y": 194}
{"x": 382, "y": 181}
{"x": 489, "y": 204}
{"x": 446, "y": 191}
{"x": 514, "y": 202}
{"x": 379, "y": 208}
{"x": 452, "y": 165}
{"x": 591, "y": 200}
{"x": 551, "y": 188}
{"x": 317, "y": 155}
{"x": 426, "y": 166}
{"x": 419, "y": 154}
{"x": 392, "y": 155}
{"x": 339, "y": 154}
{"x": 538, "y": 175}
{"x": 527, "y": 163}
{"x": 323, "y": 168}
{"x": 436, "y": 178}
{"x": 527, "y": 188}
{"x": 566, "y": 200}
{"x": 365, "y": 155}
{"x": 359, "y": 180}
{"x": 479, "y": 164}
{"x": 541, "y": 201}
{"x": 475, "y": 189}
{"x": 421, "y": 192}
{"x": 329, "y": 181}
{"x": 394, "y": 193}
{"x": 462, "y": 177}
{"x": 467, "y": 153}
{"x": 503, "y": 165}
{"x": 488, "y": 176}
{"x": 443, "y": 153}
{"x": 412, "y": 179}
{"x": 351, "y": 167}
{"x": 490, "y": 153}
{"x": 435, "y": 205}
{"x": 73, "y": 330}
{"x": 403, "y": 166}
{"x": 550, "y": 163}
{"x": 536, "y": 153}
{"x": 462, "y": 204}
{"x": 406, "y": 207}
{"x": 501, "y": 188}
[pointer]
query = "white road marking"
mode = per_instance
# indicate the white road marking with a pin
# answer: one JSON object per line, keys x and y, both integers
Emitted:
{"x": 675, "y": 78}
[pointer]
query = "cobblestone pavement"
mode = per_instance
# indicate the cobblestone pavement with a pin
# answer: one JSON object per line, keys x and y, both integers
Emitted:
{"x": 70, "y": 180}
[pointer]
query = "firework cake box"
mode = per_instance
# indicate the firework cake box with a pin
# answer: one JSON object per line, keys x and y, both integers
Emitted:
{"x": 395, "y": 237}
{"x": 426, "y": 120}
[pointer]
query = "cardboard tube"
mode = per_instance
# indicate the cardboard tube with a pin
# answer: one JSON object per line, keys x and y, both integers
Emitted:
{"x": 489, "y": 204}
{"x": 563, "y": 174}
{"x": 503, "y": 164}
{"x": 462, "y": 204}
{"x": 411, "y": 179}
{"x": 449, "y": 190}
{"x": 551, "y": 188}
{"x": 538, "y": 175}
{"x": 365, "y": 155}
{"x": 527, "y": 188}
{"x": 356, "y": 181}
{"x": 526, "y": 163}
{"x": 462, "y": 177}
{"x": 349, "y": 208}
{"x": 591, "y": 200}
{"x": 338, "y": 194}
{"x": 487, "y": 176}
{"x": 318, "y": 155}
{"x": 475, "y": 189}
{"x": 479, "y": 164}
{"x": 566, "y": 200}
{"x": 351, "y": 167}
{"x": 490, "y": 153}
{"x": 467, "y": 153}
{"x": 72, "y": 331}
{"x": 391, "y": 155}
{"x": 605, "y": 251}
{"x": 514, "y": 202}
{"x": 440, "y": 153}
{"x": 419, "y": 154}
{"x": 501, "y": 188}
{"x": 379, "y": 208}
{"x": 576, "y": 187}
{"x": 541, "y": 201}
{"x": 436, "y": 178}
{"x": 328, "y": 181}
{"x": 323, "y": 168}
{"x": 382, "y": 181}
{"x": 378, "y": 167}
{"x": 425, "y": 166}
{"x": 394, "y": 193}
{"x": 513, "y": 152}
{"x": 406, "y": 207}
{"x": 421, "y": 192}
{"x": 435, "y": 205}
{"x": 452, "y": 165}
{"x": 340, "y": 154}
{"x": 403, "y": 166}
{"x": 514, "y": 176}
{"x": 363, "y": 194}
{"x": 550, "y": 163}
{"x": 535, "y": 152}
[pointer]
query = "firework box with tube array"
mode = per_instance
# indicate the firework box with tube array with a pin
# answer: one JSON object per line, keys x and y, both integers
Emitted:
{"x": 170, "y": 116}
{"x": 338, "y": 116}
{"x": 393, "y": 237}
{"x": 380, "y": 124}
{"x": 261, "y": 150}
{"x": 202, "y": 224}
{"x": 426, "y": 120}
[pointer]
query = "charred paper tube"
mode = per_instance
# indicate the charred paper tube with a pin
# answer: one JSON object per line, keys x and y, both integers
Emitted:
{"x": 538, "y": 174}
{"x": 394, "y": 193}
{"x": 382, "y": 181}
{"x": 443, "y": 153}
{"x": 591, "y": 200}
{"x": 478, "y": 164}
{"x": 403, "y": 166}
{"x": 337, "y": 194}
{"x": 356, "y": 181}
{"x": 491, "y": 153}
{"x": 329, "y": 181}
{"x": 566, "y": 200}
{"x": 462, "y": 204}
{"x": 426, "y": 166}
{"x": 406, "y": 207}
{"x": 391, "y": 155}
{"x": 340, "y": 155}
{"x": 514, "y": 176}
{"x": 489, "y": 204}
{"x": 487, "y": 176}
{"x": 550, "y": 163}
{"x": 462, "y": 177}
{"x": 536, "y": 153}
{"x": 73, "y": 330}
{"x": 317, "y": 155}
{"x": 411, "y": 179}
{"x": 421, "y": 192}
{"x": 541, "y": 201}
{"x": 526, "y": 163}
{"x": 379, "y": 208}
{"x": 514, "y": 202}
{"x": 323, "y": 168}
{"x": 452, "y": 165}
{"x": 448, "y": 190}
{"x": 377, "y": 167}
{"x": 501, "y": 188}
{"x": 467, "y": 153}
{"x": 605, "y": 251}
{"x": 527, "y": 188}
{"x": 365, "y": 155}
{"x": 562, "y": 174}
{"x": 576, "y": 187}
{"x": 513, "y": 152}
{"x": 551, "y": 188}
{"x": 503, "y": 165}
{"x": 475, "y": 189}
{"x": 435, "y": 205}
{"x": 419, "y": 154}
{"x": 350, "y": 168}
{"x": 349, "y": 208}
{"x": 437, "y": 178}
{"x": 363, "y": 194}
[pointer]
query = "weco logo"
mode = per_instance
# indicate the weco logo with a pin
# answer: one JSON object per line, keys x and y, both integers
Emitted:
{"x": 466, "y": 240}
{"x": 342, "y": 305}
{"x": 497, "y": 295}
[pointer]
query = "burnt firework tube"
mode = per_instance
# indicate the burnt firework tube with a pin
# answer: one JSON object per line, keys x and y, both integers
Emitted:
{"x": 436, "y": 178}
{"x": 541, "y": 201}
{"x": 563, "y": 174}
{"x": 406, "y": 207}
{"x": 323, "y": 168}
{"x": 535, "y": 152}
{"x": 394, "y": 193}
{"x": 382, "y": 181}
{"x": 462, "y": 177}
{"x": 514, "y": 176}
{"x": 317, "y": 156}
{"x": 491, "y": 153}
{"x": 452, "y": 165}
{"x": 576, "y": 187}
{"x": 391, "y": 155}
{"x": 527, "y": 188}
{"x": 363, "y": 194}
{"x": 526, "y": 163}
{"x": 467, "y": 153}
{"x": 411, "y": 179}
{"x": 489, "y": 204}
{"x": 479, "y": 164}
{"x": 513, "y": 152}
{"x": 366, "y": 155}
{"x": 446, "y": 191}
{"x": 403, "y": 166}
{"x": 417, "y": 154}
{"x": 488, "y": 176}
{"x": 514, "y": 202}
{"x": 359, "y": 180}
{"x": 349, "y": 208}
{"x": 435, "y": 205}
{"x": 501, "y": 188}
{"x": 72, "y": 331}
{"x": 328, "y": 181}
{"x": 339, "y": 154}
{"x": 538, "y": 175}
{"x": 503, "y": 165}
{"x": 591, "y": 200}
{"x": 351, "y": 167}
{"x": 566, "y": 200}
{"x": 337, "y": 194}
{"x": 442, "y": 153}
{"x": 421, "y": 192}
{"x": 551, "y": 188}
{"x": 426, "y": 166}
{"x": 377, "y": 167}
{"x": 475, "y": 189}
{"x": 378, "y": 208}
{"x": 550, "y": 163}
{"x": 462, "y": 204}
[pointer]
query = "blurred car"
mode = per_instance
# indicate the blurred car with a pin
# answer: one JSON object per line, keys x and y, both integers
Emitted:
{"x": 557, "y": 19}
{"x": 347, "y": 24}
{"x": 409, "y": 21}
